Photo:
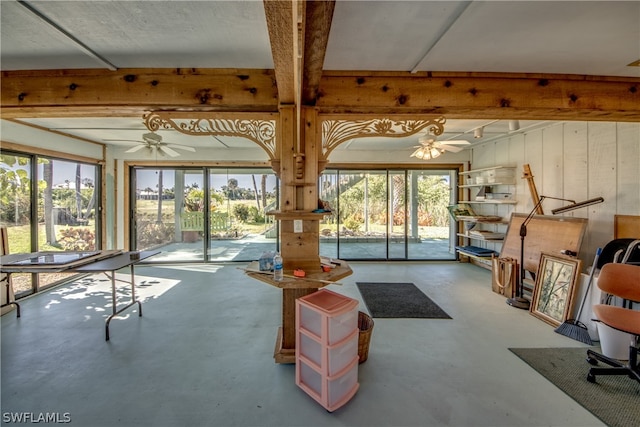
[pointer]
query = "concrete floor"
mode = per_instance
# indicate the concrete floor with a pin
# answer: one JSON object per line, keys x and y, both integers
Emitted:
{"x": 201, "y": 355}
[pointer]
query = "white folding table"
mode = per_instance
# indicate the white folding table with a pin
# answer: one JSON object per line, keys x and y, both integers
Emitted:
{"x": 107, "y": 262}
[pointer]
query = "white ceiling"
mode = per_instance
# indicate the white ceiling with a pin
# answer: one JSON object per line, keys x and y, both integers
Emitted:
{"x": 569, "y": 37}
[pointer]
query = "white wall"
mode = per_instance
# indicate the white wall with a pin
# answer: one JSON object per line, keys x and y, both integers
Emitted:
{"x": 578, "y": 161}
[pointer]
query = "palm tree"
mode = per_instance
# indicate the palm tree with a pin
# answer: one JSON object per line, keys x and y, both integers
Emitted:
{"x": 47, "y": 175}
{"x": 232, "y": 184}
{"x": 160, "y": 191}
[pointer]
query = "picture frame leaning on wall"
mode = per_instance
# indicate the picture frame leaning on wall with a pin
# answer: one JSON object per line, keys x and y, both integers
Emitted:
{"x": 555, "y": 287}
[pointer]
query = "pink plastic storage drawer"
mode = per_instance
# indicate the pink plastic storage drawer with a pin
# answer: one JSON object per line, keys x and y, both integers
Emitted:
{"x": 339, "y": 389}
{"x": 331, "y": 359}
{"x": 340, "y": 313}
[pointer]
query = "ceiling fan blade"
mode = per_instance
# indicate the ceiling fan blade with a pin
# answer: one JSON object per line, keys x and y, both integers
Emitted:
{"x": 135, "y": 148}
{"x": 123, "y": 140}
{"x": 455, "y": 142}
{"x": 169, "y": 151}
{"x": 181, "y": 147}
{"x": 451, "y": 148}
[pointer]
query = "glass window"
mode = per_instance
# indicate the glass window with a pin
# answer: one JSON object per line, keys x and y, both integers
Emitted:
{"x": 387, "y": 214}
{"x": 66, "y": 196}
{"x": 231, "y": 226}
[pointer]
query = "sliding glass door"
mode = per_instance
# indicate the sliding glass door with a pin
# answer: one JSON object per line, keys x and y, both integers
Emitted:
{"x": 48, "y": 204}
{"x": 387, "y": 214}
{"x": 204, "y": 214}
{"x": 239, "y": 227}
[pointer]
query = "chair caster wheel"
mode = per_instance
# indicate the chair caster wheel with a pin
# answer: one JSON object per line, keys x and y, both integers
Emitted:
{"x": 591, "y": 378}
{"x": 592, "y": 361}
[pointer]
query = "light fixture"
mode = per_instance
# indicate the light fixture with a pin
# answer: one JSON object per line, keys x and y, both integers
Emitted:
{"x": 478, "y": 132}
{"x": 426, "y": 153}
{"x": 519, "y": 301}
{"x": 577, "y": 205}
{"x": 514, "y": 125}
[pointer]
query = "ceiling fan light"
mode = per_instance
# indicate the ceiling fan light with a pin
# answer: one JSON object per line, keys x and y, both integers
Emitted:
{"x": 419, "y": 153}
{"x": 423, "y": 153}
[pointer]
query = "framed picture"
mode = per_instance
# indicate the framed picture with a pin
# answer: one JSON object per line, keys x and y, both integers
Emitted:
{"x": 554, "y": 290}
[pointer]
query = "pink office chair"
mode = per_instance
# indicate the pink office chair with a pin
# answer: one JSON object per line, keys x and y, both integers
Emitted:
{"x": 622, "y": 280}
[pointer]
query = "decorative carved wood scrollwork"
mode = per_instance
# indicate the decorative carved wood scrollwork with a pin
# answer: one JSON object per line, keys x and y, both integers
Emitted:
{"x": 335, "y": 132}
{"x": 260, "y": 131}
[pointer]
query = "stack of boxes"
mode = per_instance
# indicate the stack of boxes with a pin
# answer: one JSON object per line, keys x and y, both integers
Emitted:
{"x": 327, "y": 347}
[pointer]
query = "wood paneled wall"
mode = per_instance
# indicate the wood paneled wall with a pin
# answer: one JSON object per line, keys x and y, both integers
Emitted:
{"x": 578, "y": 161}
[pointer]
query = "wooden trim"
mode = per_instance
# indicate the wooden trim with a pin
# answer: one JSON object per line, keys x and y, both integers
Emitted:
{"x": 126, "y": 204}
{"x": 49, "y": 153}
{"x": 103, "y": 201}
{"x": 401, "y": 166}
{"x": 182, "y": 164}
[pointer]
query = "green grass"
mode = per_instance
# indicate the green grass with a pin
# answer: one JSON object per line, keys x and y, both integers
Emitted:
{"x": 20, "y": 237}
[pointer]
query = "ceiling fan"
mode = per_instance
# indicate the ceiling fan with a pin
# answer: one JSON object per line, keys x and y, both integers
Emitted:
{"x": 430, "y": 148}
{"x": 152, "y": 141}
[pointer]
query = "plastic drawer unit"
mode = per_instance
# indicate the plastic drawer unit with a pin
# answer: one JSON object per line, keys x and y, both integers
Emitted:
{"x": 327, "y": 347}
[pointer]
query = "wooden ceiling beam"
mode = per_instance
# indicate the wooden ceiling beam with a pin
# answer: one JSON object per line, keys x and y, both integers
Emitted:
{"x": 319, "y": 15}
{"x": 497, "y": 96}
{"x": 280, "y": 23}
{"x": 127, "y": 93}
{"x": 132, "y": 91}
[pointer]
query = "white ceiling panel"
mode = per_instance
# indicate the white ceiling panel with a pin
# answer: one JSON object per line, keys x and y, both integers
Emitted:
{"x": 564, "y": 37}
{"x": 138, "y": 34}
{"x": 28, "y": 44}
{"x": 386, "y": 35}
{"x": 596, "y": 38}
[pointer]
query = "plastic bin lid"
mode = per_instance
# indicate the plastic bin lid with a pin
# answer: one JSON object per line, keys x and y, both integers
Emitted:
{"x": 327, "y": 300}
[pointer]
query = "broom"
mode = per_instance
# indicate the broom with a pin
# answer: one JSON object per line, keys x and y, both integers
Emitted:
{"x": 573, "y": 328}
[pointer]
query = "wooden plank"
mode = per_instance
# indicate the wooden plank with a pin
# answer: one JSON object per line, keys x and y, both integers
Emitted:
{"x": 626, "y": 227}
{"x": 318, "y": 17}
{"x": 131, "y": 92}
{"x": 280, "y": 23}
{"x": 495, "y": 96}
{"x": 136, "y": 91}
{"x": 6, "y": 289}
{"x": 545, "y": 233}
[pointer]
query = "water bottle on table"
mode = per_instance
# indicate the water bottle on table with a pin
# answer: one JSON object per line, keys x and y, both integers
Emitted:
{"x": 277, "y": 267}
